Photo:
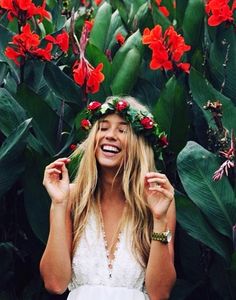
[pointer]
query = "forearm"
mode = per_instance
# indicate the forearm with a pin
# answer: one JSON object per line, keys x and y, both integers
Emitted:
{"x": 55, "y": 265}
{"x": 160, "y": 273}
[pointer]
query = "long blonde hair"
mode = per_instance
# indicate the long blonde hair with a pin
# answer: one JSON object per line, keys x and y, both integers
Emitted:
{"x": 139, "y": 161}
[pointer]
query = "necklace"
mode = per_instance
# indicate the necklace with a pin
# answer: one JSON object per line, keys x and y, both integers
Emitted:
{"x": 111, "y": 250}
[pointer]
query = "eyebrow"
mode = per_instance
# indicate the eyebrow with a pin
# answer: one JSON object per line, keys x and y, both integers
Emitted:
{"x": 120, "y": 123}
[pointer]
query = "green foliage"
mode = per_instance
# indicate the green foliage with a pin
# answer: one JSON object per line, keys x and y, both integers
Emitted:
{"x": 41, "y": 107}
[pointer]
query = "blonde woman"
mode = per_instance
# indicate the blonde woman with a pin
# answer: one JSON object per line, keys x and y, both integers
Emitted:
{"x": 110, "y": 230}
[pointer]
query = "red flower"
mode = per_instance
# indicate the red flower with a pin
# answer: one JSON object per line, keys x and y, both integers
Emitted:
{"x": 73, "y": 147}
{"x": 94, "y": 105}
{"x": 89, "y": 25}
{"x": 163, "y": 141}
{"x": 167, "y": 49}
{"x": 25, "y": 45}
{"x": 85, "y": 124}
{"x": 24, "y": 10}
{"x": 95, "y": 77}
{"x": 163, "y": 9}
{"x": 120, "y": 38}
{"x": 86, "y": 74}
{"x": 121, "y": 105}
{"x": 62, "y": 40}
{"x": 147, "y": 122}
{"x": 219, "y": 11}
{"x": 98, "y": 2}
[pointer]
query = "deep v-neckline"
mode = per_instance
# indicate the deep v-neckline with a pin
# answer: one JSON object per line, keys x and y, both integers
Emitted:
{"x": 112, "y": 250}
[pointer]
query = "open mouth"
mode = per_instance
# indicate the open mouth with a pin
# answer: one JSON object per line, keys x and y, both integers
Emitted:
{"x": 110, "y": 149}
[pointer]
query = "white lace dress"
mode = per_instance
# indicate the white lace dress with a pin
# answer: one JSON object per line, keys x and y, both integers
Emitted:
{"x": 92, "y": 279}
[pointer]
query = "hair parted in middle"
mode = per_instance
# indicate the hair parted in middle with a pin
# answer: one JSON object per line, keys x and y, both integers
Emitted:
{"x": 135, "y": 165}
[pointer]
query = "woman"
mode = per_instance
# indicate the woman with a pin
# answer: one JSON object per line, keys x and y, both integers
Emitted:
{"x": 110, "y": 229}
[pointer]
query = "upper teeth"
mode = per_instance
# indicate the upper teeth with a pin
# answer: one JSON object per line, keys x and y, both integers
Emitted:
{"x": 110, "y": 148}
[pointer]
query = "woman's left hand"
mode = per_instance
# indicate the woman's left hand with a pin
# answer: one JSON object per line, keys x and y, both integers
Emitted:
{"x": 159, "y": 193}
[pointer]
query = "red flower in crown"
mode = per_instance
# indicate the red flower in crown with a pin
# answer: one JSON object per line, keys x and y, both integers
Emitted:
{"x": 85, "y": 124}
{"x": 121, "y": 105}
{"x": 163, "y": 141}
{"x": 94, "y": 105}
{"x": 147, "y": 122}
{"x": 73, "y": 147}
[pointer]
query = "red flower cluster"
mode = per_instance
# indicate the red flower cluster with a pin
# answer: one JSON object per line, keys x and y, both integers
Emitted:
{"x": 120, "y": 38}
{"x": 168, "y": 49}
{"x": 219, "y": 11}
{"x": 162, "y": 9}
{"x": 85, "y": 74}
{"x": 61, "y": 40}
{"x": 24, "y": 10}
{"x": 26, "y": 44}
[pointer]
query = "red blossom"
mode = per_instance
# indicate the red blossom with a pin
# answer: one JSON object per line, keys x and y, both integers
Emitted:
{"x": 147, "y": 122}
{"x": 162, "y": 9}
{"x": 121, "y": 105}
{"x": 86, "y": 74}
{"x": 24, "y": 10}
{"x": 26, "y": 44}
{"x": 89, "y": 25}
{"x": 167, "y": 49}
{"x": 120, "y": 38}
{"x": 94, "y": 105}
{"x": 98, "y": 2}
{"x": 163, "y": 141}
{"x": 219, "y": 11}
{"x": 62, "y": 40}
{"x": 85, "y": 124}
{"x": 73, "y": 147}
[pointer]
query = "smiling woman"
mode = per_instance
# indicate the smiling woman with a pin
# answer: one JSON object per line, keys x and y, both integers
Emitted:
{"x": 120, "y": 209}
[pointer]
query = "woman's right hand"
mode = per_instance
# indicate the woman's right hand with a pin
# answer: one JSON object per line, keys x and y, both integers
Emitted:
{"x": 56, "y": 181}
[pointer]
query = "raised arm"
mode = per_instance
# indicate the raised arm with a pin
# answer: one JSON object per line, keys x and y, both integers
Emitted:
{"x": 55, "y": 265}
{"x": 160, "y": 274}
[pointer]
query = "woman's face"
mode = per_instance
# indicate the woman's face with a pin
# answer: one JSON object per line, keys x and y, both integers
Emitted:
{"x": 111, "y": 141}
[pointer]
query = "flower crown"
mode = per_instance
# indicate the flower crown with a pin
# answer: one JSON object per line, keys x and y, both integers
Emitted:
{"x": 141, "y": 121}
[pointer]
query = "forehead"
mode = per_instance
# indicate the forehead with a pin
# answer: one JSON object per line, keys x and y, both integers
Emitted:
{"x": 114, "y": 118}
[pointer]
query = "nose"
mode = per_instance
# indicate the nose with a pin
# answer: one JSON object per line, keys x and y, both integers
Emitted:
{"x": 111, "y": 134}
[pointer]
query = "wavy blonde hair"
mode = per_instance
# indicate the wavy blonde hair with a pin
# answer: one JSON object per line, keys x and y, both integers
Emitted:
{"x": 85, "y": 195}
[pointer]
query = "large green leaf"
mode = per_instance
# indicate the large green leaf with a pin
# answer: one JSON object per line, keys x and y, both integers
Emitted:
{"x": 45, "y": 121}
{"x": 126, "y": 76}
{"x": 57, "y": 80}
{"x": 12, "y": 114}
{"x": 216, "y": 200}
{"x": 202, "y": 91}
{"x": 36, "y": 200}
{"x": 222, "y": 61}
{"x": 193, "y": 22}
{"x": 193, "y": 221}
{"x": 181, "y": 6}
{"x": 6, "y": 37}
{"x": 134, "y": 41}
{"x": 171, "y": 113}
{"x": 11, "y": 166}
{"x": 114, "y": 25}
{"x": 101, "y": 25}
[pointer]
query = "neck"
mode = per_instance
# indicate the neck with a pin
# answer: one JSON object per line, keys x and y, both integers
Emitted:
{"x": 111, "y": 187}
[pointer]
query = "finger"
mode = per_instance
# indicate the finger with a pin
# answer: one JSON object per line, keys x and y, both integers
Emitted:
{"x": 155, "y": 174}
{"x": 163, "y": 181}
{"x": 58, "y": 162}
{"x": 167, "y": 193}
{"x": 64, "y": 173}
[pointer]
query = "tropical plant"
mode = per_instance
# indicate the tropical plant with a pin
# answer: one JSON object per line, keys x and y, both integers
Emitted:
{"x": 177, "y": 57}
